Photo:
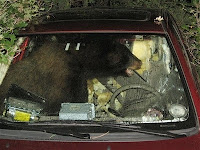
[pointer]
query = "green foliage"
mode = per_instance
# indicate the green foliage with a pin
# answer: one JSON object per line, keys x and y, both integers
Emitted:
{"x": 14, "y": 15}
{"x": 191, "y": 30}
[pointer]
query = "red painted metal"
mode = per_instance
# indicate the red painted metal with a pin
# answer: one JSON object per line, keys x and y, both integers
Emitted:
{"x": 189, "y": 143}
{"x": 19, "y": 55}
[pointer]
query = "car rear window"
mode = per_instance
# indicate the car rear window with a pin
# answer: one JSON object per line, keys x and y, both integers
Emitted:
{"x": 95, "y": 77}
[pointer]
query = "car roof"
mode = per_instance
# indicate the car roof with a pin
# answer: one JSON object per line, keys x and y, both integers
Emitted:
{"x": 95, "y": 20}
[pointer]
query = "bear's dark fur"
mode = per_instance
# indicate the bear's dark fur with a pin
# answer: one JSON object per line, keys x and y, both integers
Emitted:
{"x": 60, "y": 76}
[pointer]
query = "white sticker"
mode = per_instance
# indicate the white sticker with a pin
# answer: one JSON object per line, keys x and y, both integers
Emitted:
{"x": 67, "y": 46}
{"x": 78, "y": 46}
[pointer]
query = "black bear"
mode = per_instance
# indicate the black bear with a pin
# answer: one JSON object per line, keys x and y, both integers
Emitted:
{"x": 61, "y": 76}
{"x": 106, "y": 58}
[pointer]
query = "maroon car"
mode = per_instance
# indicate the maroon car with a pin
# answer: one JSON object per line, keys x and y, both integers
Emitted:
{"x": 100, "y": 79}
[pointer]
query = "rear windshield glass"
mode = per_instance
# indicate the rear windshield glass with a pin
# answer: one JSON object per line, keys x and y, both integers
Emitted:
{"x": 94, "y": 77}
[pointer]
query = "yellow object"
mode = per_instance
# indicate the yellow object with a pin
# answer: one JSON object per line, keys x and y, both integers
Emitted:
{"x": 142, "y": 49}
{"x": 102, "y": 94}
{"x": 22, "y": 116}
{"x": 103, "y": 98}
